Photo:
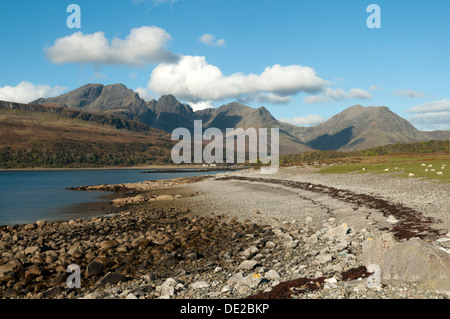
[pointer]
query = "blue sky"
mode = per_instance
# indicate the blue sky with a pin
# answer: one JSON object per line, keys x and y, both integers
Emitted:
{"x": 304, "y": 61}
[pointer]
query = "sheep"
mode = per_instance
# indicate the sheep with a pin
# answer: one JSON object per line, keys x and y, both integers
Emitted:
{"x": 430, "y": 165}
{"x": 411, "y": 175}
{"x": 433, "y": 170}
{"x": 424, "y": 165}
{"x": 386, "y": 170}
{"x": 426, "y": 170}
{"x": 440, "y": 174}
{"x": 364, "y": 169}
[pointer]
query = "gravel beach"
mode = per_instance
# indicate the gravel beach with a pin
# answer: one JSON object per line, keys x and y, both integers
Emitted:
{"x": 295, "y": 234}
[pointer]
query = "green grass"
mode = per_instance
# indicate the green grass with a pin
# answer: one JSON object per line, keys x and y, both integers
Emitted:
{"x": 400, "y": 165}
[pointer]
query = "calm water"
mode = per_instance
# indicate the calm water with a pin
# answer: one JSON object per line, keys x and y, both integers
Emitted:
{"x": 26, "y": 197}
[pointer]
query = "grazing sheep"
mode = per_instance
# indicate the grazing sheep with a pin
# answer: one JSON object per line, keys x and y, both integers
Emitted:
{"x": 386, "y": 170}
{"x": 430, "y": 165}
{"x": 440, "y": 174}
{"x": 411, "y": 175}
{"x": 426, "y": 170}
{"x": 424, "y": 165}
{"x": 364, "y": 169}
{"x": 433, "y": 170}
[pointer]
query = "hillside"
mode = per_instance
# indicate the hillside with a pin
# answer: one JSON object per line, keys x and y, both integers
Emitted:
{"x": 355, "y": 128}
{"x": 358, "y": 128}
{"x": 46, "y": 136}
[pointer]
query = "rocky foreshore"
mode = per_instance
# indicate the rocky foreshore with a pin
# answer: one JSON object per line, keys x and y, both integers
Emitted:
{"x": 142, "y": 186}
{"x": 173, "y": 252}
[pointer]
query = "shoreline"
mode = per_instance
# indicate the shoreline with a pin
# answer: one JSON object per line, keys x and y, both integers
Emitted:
{"x": 146, "y": 167}
{"x": 217, "y": 238}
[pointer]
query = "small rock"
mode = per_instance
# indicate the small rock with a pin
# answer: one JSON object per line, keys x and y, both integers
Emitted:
{"x": 391, "y": 219}
{"x": 248, "y": 265}
{"x": 111, "y": 278}
{"x": 94, "y": 268}
{"x": 200, "y": 285}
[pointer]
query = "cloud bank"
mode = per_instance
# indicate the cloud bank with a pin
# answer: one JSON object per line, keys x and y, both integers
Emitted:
{"x": 26, "y": 92}
{"x": 334, "y": 95}
{"x": 143, "y": 45}
{"x": 194, "y": 80}
{"x": 310, "y": 119}
{"x": 430, "y": 116}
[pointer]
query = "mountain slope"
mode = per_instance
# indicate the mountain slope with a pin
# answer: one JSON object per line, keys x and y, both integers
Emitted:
{"x": 355, "y": 128}
{"x": 235, "y": 115}
{"x": 358, "y": 128}
{"x": 113, "y": 99}
{"x": 51, "y": 136}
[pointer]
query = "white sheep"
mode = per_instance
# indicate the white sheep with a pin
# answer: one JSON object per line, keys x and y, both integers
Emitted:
{"x": 424, "y": 165}
{"x": 386, "y": 170}
{"x": 411, "y": 175}
{"x": 430, "y": 165}
{"x": 433, "y": 170}
{"x": 440, "y": 174}
{"x": 364, "y": 169}
{"x": 426, "y": 170}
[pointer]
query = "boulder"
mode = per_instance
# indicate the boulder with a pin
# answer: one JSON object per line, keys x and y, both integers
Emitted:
{"x": 374, "y": 249}
{"x": 419, "y": 262}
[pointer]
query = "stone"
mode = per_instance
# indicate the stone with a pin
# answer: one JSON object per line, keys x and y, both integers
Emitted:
{"x": 164, "y": 197}
{"x": 248, "y": 265}
{"x": 338, "y": 231}
{"x": 31, "y": 250}
{"x": 110, "y": 244}
{"x": 252, "y": 281}
{"x": 272, "y": 275}
{"x": 94, "y": 268}
{"x": 200, "y": 285}
{"x": 33, "y": 271}
{"x": 419, "y": 262}
{"x": 131, "y": 296}
{"x": 322, "y": 259}
{"x": 374, "y": 249}
{"x": 41, "y": 223}
{"x": 51, "y": 293}
{"x": 111, "y": 278}
{"x": 244, "y": 290}
{"x": 11, "y": 266}
{"x": 233, "y": 280}
{"x": 391, "y": 219}
{"x": 29, "y": 227}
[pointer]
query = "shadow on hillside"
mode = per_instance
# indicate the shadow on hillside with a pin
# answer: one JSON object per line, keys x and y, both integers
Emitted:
{"x": 332, "y": 142}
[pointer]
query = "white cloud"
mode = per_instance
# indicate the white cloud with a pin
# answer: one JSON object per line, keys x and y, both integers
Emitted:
{"x": 376, "y": 88}
{"x": 434, "y": 106}
{"x": 144, "y": 93}
{"x": 433, "y": 115}
{"x": 26, "y": 92}
{"x": 310, "y": 119}
{"x": 410, "y": 93}
{"x": 194, "y": 80}
{"x": 99, "y": 75}
{"x": 201, "y": 105}
{"x": 143, "y": 45}
{"x": 210, "y": 39}
{"x": 332, "y": 95}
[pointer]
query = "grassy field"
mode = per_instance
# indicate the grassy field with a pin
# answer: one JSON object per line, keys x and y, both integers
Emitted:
{"x": 400, "y": 165}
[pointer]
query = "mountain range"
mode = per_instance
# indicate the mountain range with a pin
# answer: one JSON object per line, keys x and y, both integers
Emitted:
{"x": 355, "y": 128}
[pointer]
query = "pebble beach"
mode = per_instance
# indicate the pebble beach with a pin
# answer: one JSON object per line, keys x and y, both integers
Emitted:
{"x": 293, "y": 235}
